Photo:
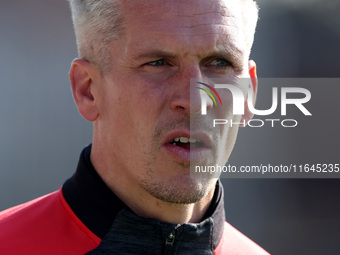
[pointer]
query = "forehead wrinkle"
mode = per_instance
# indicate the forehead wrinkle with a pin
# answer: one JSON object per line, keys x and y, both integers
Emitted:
{"x": 186, "y": 30}
{"x": 207, "y": 24}
{"x": 220, "y": 14}
{"x": 226, "y": 45}
{"x": 206, "y": 41}
{"x": 191, "y": 15}
{"x": 205, "y": 19}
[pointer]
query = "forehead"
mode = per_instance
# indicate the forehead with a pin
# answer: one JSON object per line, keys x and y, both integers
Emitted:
{"x": 190, "y": 22}
{"x": 178, "y": 11}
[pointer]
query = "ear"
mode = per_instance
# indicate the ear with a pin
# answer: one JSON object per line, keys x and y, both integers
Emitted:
{"x": 81, "y": 75}
{"x": 248, "y": 115}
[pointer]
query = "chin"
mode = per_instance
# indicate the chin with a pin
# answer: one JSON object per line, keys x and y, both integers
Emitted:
{"x": 182, "y": 189}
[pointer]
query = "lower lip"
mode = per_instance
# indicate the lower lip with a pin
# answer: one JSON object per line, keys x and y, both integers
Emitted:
{"x": 186, "y": 155}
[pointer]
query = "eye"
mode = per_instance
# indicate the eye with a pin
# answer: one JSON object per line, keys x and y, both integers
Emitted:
{"x": 220, "y": 62}
{"x": 159, "y": 62}
{"x": 158, "y": 66}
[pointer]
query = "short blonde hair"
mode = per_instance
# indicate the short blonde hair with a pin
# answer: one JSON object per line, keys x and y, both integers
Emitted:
{"x": 96, "y": 24}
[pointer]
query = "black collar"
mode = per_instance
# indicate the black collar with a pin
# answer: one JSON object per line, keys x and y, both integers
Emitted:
{"x": 97, "y": 206}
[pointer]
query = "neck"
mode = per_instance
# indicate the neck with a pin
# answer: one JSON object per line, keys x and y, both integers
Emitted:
{"x": 143, "y": 203}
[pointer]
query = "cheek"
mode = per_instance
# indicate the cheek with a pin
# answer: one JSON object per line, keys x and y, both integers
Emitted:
{"x": 226, "y": 110}
{"x": 112, "y": 104}
{"x": 133, "y": 106}
{"x": 150, "y": 98}
{"x": 227, "y": 132}
{"x": 227, "y": 142}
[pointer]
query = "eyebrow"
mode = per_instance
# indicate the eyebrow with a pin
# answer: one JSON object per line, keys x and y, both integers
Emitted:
{"x": 232, "y": 53}
{"x": 154, "y": 54}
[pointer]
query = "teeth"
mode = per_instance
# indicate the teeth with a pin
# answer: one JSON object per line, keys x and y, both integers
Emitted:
{"x": 184, "y": 140}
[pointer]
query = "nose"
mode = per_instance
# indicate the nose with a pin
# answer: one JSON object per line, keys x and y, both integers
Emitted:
{"x": 186, "y": 96}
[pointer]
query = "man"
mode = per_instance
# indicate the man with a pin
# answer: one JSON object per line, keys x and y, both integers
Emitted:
{"x": 132, "y": 192}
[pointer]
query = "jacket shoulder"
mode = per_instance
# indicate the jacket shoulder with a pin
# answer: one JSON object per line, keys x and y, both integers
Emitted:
{"x": 45, "y": 225}
{"x": 233, "y": 242}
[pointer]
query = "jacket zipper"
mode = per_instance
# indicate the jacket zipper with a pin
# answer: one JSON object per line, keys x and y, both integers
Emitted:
{"x": 169, "y": 242}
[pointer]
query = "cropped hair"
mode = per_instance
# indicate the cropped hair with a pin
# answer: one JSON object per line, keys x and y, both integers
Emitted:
{"x": 96, "y": 24}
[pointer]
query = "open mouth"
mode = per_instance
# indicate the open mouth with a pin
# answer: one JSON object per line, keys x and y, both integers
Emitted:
{"x": 187, "y": 143}
{"x": 184, "y": 146}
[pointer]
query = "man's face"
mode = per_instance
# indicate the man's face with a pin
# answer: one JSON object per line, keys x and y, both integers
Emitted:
{"x": 145, "y": 102}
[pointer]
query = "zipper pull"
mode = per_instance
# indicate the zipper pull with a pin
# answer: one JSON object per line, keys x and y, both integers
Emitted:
{"x": 169, "y": 242}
